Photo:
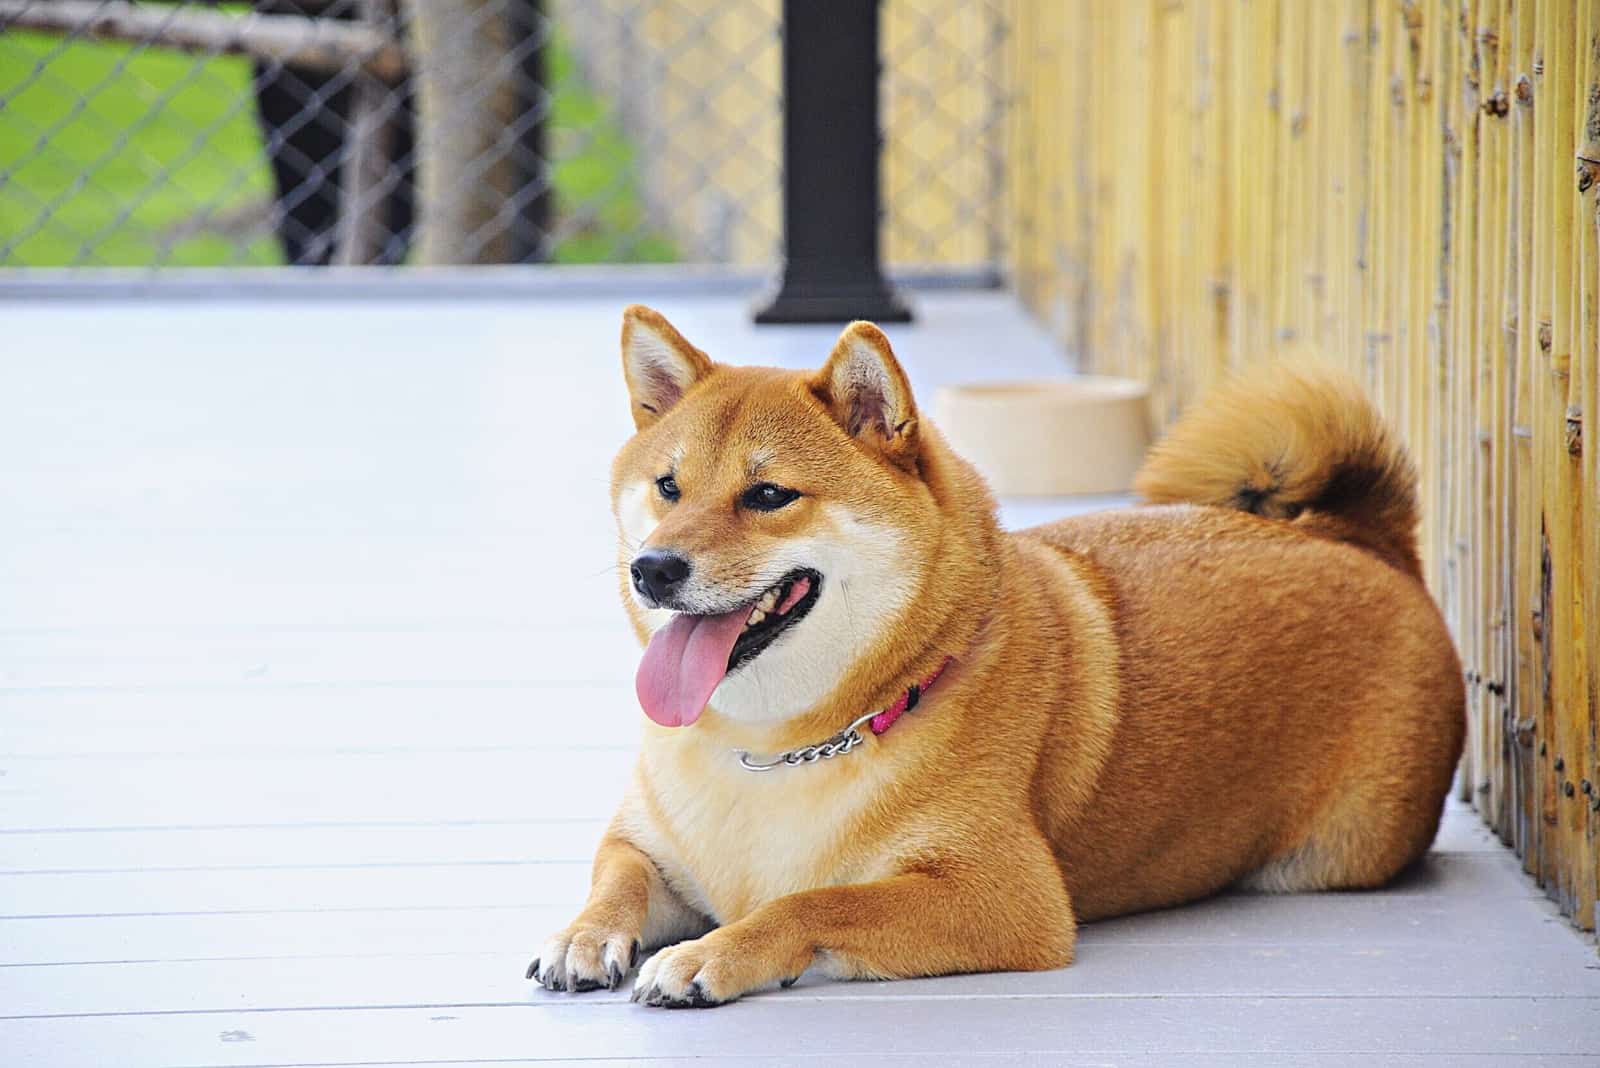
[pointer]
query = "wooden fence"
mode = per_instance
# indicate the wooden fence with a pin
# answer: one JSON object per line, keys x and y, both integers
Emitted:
{"x": 1410, "y": 189}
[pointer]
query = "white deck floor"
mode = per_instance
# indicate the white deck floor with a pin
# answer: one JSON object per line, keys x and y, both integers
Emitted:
{"x": 314, "y": 694}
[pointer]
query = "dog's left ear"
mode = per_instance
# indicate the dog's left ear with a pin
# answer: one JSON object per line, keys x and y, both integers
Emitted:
{"x": 864, "y": 388}
{"x": 658, "y": 363}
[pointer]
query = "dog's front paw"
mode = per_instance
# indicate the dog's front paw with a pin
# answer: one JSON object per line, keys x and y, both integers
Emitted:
{"x": 679, "y": 978}
{"x": 714, "y": 970}
{"x": 583, "y": 958}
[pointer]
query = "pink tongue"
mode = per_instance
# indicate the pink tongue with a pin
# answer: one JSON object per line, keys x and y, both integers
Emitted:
{"x": 683, "y": 664}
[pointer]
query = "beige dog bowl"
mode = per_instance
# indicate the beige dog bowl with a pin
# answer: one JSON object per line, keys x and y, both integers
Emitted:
{"x": 1052, "y": 438}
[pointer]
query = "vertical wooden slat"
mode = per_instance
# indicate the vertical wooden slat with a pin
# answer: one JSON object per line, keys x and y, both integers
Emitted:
{"x": 1459, "y": 218}
{"x": 1551, "y": 171}
{"x": 1167, "y": 122}
{"x": 1102, "y": 157}
{"x": 1488, "y": 359}
{"x": 1354, "y": 242}
{"x": 1430, "y": 377}
{"x": 1222, "y": 174}
{"x": 1272, "y": 270}
{"x": 1567, "y": 383}
{"x": 1322, "y": 58}
{"x": 1466, "y": 446}
{"x": 1288, "y": 265}
{"x": 1527, "y": 694}
{"x": 1381, "y": 104}
{"x": 1586, "y": 377}
{"x": 1516, "y": 802}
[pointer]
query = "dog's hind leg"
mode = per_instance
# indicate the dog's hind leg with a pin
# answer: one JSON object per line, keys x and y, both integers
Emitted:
{"x": 1362, "y": 839}
{"x": 1401, "y": 736}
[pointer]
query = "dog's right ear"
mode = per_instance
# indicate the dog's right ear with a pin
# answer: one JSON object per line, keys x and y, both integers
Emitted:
{"x": 658, "y": 363}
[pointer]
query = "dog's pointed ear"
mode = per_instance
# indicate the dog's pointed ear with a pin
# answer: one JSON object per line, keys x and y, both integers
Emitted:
{"x": 868, "y": 394}
{"x": 658, "y": 363}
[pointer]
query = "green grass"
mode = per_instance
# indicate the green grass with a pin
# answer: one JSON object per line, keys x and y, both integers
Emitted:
{"x": 105, "y": 153}
{"x": 110, "y": 154}
{"x": 598, "y": 174}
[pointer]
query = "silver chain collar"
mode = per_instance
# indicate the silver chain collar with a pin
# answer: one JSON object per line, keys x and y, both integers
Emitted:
{"x": 838, "y": 745}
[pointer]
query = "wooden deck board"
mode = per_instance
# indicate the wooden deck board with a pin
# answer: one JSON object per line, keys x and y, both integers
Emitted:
{"x": 1124, "y": 1027}
{"x": 314, "y": 697}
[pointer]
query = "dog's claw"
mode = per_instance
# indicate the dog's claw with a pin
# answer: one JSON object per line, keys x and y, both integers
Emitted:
{"x": 785, "y": 984}
{"x": 614, "y": 975}
{"x": 533, "y": 969}
{"x": 633, "y": 953}
{"x": 697, "y": 999}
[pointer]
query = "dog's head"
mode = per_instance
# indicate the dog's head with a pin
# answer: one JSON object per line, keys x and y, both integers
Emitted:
{"x": 777, "y": 528}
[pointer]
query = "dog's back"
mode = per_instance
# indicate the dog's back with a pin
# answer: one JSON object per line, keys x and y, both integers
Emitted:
{"x": 1291, "y": 707}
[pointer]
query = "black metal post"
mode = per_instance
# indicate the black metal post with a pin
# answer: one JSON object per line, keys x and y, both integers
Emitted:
{"x": 530, "y": 232}
{"x": 831, "y": 269}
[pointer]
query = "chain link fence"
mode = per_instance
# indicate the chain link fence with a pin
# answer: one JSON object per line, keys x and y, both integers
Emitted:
{"x": 313, "y": 132}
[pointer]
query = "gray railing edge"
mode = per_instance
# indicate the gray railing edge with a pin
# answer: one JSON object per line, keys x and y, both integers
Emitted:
{"x": 26, "y": 285}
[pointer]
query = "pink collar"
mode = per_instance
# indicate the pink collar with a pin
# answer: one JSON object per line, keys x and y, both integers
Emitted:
{"x": 850, "y": 737}
{"x": 907, "y": 701}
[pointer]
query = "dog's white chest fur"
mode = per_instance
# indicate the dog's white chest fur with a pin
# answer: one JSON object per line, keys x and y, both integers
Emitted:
{"x": 730, "y": 840}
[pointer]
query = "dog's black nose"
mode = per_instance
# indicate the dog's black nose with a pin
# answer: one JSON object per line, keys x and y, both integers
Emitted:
{"x": 657, "y": 573}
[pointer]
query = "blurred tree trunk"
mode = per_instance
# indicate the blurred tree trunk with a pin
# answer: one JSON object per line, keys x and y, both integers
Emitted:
{"x": 466, "y": 73}
{"x": 372, "y": 135}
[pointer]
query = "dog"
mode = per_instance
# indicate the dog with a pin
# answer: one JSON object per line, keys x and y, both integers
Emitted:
{"x": 887, "y": 739}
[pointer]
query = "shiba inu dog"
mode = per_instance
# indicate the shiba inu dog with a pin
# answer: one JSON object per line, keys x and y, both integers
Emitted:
{"x": 888, "y": 739}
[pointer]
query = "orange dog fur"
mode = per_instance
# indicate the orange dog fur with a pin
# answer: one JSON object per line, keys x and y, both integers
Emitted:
{"x": 1244, "y": 682}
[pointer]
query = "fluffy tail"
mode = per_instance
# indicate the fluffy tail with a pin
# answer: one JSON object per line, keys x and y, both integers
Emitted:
{"x": 1299, "y": 443}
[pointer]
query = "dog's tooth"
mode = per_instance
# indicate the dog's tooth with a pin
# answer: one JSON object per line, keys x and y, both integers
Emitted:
{"x": 769, "y": 600}
{"x": 756, "y": 616}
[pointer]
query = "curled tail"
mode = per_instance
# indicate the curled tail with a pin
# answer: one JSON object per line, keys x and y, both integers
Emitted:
{"x": 1293, "y": 442}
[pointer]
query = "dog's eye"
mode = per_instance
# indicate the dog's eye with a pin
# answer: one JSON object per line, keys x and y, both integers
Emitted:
{"x": 767, "y": 498}
{"x": 667, "y": 486}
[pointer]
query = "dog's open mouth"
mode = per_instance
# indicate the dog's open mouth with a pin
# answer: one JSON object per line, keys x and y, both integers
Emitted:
{"x": 692, "y": 654}
{"x": 774, "y": 612}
